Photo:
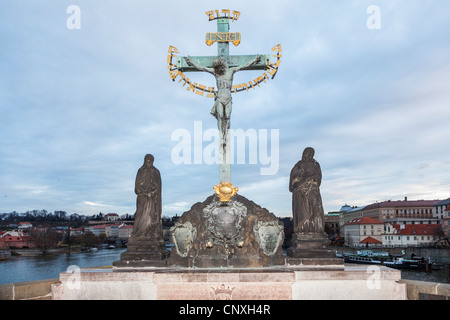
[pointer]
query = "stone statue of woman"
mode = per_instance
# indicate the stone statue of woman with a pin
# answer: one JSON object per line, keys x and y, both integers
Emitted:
{"x": 147, "y": 219}
{"x": 304, "y": 184}
{"x": 146, "y": 244}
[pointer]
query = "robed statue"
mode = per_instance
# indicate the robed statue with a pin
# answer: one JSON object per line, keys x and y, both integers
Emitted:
{"x": 145, "y": 247}
{"x": 147, "y": 219}
{"x": 304, "y": 184}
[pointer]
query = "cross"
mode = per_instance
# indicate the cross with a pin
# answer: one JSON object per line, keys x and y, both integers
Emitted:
{"x": 223, "y": 66}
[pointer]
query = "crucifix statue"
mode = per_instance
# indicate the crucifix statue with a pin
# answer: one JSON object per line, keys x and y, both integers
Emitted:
{"x": 222, "y": 98}
{"x": 223, "y": 67}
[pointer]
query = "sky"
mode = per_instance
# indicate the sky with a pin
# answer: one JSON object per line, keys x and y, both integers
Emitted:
{"x": 85, "y": 94}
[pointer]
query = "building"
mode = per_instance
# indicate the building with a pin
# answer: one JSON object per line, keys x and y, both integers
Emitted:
{"x": 347, "y": 214}
{"x": 411, "y": 235}
{"x": 396, "y": 212}
{"x": 110, "y": 231}
{"x": 25, "y": 225}
{"x": 125, "y": 231}
{"x": 96, "y": 230}
{"x": 440, "y": 208}
{"x": 331, "y": 222}
{"x": 446, "y": 222}
{"x": 363, "y": 232}
{"x": 112, "y": 217}
{"x": 15, "y": 240}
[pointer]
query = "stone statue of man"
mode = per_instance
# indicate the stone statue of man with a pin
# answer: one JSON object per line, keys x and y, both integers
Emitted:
{"x": 224, "y": 80}
{"x": 304, "y": 184}
{"x": 147, "y": 219}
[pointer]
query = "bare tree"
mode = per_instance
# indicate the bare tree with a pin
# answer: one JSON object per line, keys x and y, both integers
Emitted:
{"x": 45, "y": 238}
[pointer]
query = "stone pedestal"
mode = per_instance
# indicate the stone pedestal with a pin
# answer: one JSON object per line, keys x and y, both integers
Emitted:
{"x": 312, "y": 250}
{"x": 273, "y": 283}
{"x": 235, "y": 234}
{"x": 144, "y": 252}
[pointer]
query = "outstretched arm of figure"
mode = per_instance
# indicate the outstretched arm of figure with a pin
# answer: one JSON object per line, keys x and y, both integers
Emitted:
{"x": 248, "y": 64}
{"x": 195, "y": 65}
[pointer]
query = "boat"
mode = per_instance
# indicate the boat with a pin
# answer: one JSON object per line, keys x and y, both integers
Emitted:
{"x": 111, "y": 247}
{"x": 93, "y": 250}
{"x": 384, "y": 259}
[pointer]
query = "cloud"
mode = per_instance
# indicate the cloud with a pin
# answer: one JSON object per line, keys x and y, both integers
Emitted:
{"x": 89, "y": 203}
{"x": 81, "y": 108}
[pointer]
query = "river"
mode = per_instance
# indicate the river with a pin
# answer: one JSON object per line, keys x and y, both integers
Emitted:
{"x": 39, "y": 267}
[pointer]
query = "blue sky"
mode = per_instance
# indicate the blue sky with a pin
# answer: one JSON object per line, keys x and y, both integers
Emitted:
{"x": 80, "y": 108}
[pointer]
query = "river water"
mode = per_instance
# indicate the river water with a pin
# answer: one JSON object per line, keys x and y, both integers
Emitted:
{"x": 39, "y": 267}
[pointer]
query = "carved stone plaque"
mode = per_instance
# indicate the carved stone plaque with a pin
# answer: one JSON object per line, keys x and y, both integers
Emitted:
{"x": 224, "y": 220}
{"x": 269, "y": 235}
{"x": 222, "y": 292}
{"x": 183, "y": 236}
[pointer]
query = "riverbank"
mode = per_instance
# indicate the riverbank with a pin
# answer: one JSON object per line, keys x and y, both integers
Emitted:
{"x": 11, "y": 253}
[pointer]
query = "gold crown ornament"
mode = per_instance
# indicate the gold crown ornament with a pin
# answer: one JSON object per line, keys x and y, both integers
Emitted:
{"x": 225, "y": 190}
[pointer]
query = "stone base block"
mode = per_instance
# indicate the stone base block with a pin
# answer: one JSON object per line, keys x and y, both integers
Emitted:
{"x": 144, "y": 252}
{"x": 315, "y": 263}
{"x": 270, "y": 283}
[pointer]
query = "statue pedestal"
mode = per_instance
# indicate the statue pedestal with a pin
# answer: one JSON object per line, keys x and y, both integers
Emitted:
{"x": 143, "y": 252}
{"x": 312, "y": 250}
{"x": 235, "y": 234}
{"x": 271, "y": 283}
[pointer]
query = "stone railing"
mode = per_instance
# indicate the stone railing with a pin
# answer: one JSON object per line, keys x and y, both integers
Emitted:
{"x": 424, "y": 290}
{"x": 31, "y": 290}
{"x": 41, "y": 290}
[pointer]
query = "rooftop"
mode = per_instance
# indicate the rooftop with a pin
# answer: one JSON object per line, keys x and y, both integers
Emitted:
{"x": 402, "y": 203}
{"x": 417, "y": 229}
{"x": 364, "y": 220}
{"x": 443, "y": 202}
{"x": 371, "y": 240}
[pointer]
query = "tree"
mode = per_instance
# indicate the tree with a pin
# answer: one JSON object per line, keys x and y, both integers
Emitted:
{"x": 88, "y": 239}
{"x": 45, "y": 238}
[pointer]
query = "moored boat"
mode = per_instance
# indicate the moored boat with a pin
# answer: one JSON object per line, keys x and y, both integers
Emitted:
{"x": 383, "y": 258}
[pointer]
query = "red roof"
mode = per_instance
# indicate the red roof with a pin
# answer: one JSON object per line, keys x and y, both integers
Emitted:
{"x": 417, "y": 229}
{"x": 364, "y": 220}
{"x": 371, "y": 240}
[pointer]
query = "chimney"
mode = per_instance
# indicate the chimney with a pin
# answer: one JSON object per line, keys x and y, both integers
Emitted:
{"x": 406, "y": 198}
